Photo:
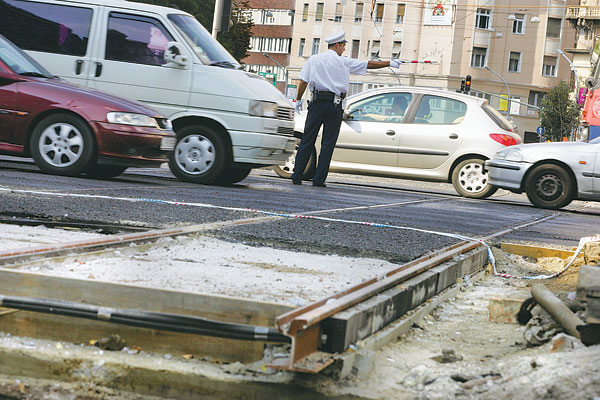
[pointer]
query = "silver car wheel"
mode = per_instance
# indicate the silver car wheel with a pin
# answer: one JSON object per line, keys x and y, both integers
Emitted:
{"x": 195, "y": 154}
{"x": 61, "y": 145}
{"x": 472, "y": 178}
{"x": 549, "y": 186}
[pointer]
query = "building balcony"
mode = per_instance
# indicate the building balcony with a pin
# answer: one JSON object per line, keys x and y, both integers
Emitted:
{"x": 583, "y": 13}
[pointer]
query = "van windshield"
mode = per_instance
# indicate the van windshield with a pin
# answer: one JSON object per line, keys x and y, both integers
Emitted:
{"x": 205, "y": 46}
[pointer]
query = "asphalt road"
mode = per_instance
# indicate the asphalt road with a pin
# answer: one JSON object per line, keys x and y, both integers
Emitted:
{"x": 414, "y": 217}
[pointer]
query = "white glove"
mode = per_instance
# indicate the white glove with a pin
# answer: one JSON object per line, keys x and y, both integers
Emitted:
{"x": 395, "y": 63}
{"x": 298, "y": 106}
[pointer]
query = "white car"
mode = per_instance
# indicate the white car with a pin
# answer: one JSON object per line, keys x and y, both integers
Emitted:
{"x": 417, "y": 133}
{"x": 552, "y": 174}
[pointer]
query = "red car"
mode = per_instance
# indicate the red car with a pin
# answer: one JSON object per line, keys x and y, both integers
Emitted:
{"x": 69, "y": 130}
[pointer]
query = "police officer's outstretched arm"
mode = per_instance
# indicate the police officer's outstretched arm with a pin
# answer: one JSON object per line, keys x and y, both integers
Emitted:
{"x": 394, "y": 63}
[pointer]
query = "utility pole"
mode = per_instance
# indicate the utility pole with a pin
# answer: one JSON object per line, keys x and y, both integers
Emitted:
{"x": 285, "y": 71}
{"x": 505, "y": 84}
{"x": 559, "y": 51}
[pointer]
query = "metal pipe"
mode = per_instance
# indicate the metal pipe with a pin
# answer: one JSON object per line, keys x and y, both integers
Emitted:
{"x": 505, "y": 84}
{"x": 217, "y": 17}
{"x": 557, "y": 309}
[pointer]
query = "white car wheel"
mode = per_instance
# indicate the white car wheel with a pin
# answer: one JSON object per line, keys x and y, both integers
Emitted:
{"x": 471, "y": 181}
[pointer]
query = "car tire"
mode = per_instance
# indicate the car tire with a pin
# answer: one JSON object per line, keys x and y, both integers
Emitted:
{"x": 549, "y": 186}
{"x": 470, "y": 180}
{"x": 99, "y": 171}
{"x": 200, "y": 155}
{"x": 233, "y": 175}
{"x": 285, "y": 170}
{"x": 62, "y": 144}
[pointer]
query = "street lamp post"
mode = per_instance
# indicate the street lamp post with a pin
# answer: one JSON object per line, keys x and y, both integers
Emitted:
{"x": 559, "y": 51}
{"x": 505, "y": 84}
{"x": 285, "y": 71}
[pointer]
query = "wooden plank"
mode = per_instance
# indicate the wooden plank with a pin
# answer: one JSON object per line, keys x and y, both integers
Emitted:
{"x": 76, "y": 330}
{"x": 535, "y": 251}
{"x": 81, "y": 331}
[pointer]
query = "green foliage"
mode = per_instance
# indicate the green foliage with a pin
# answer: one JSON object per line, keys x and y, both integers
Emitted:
{"x": 237, "y": 39}
{"x": 558, "y": 115}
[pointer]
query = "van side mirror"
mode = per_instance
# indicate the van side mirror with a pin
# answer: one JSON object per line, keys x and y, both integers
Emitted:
{"x": 348, "y": 115}
{"x": 174, "y": 56}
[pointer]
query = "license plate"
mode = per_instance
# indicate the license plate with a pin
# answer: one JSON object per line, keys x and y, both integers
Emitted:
{"x": 168, "y": 143}
{"x": 290, "y": 146}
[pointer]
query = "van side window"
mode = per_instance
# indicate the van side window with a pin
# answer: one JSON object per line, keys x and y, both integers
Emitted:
{"x": 46, "y": 27}
{"x": 136, "y": 39}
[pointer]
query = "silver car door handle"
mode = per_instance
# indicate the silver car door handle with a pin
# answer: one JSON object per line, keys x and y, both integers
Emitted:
{"x": 453, "y": 136}
{"x": 390, "y": 132}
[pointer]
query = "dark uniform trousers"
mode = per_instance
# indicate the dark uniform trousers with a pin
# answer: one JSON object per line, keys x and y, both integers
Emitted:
{"x": 328, "y": 115}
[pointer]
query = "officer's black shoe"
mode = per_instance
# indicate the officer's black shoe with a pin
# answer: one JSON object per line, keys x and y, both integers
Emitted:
{"x": 296, "y": 182}
{"x": 319, "y": 185}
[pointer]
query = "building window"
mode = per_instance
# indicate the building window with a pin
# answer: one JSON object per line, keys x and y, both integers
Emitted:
{"x": 518, "y": 23}
{"x": 483, "y": 18}
{"x": 270, "y": 45}
{"x": 301, "y": 47}
{"x": 319, "y": 14}
{"x": 354, "y": 88}
{"x": 478, "y": 57}
{"x": 338, "y": 12}
{"x": 315, "y": 46}
{"x": 481, "y": 95}
{"x": 553, "y": 30}
{"x": 267, "y": 17}
{"x": 358, "y": 12}
{"x": 397, "y": 49}
{"x": 549, "y": 68}
{"x": 375, "y": 48}
{"x": 374, "y": 85}
{"x": 355, "y": 48}
{"x": 514, "y": 62}
{"x": 400, "y": 13}
{"x": 305, "y": 12}
{"x": 379, "y": 12}
{"x": 535, "y": 99}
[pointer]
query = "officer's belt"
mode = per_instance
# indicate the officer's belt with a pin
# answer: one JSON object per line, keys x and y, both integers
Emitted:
{"x": 325, "y": 96}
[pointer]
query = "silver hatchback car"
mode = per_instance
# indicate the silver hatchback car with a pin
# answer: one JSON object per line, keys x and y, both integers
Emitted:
{"x": 417, "y": 133}
{"x": 552, "y": 174}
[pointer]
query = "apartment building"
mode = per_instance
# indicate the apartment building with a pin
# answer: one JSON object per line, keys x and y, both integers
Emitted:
{"x": 508, "y": 48}
{"x": 271, "y": 41}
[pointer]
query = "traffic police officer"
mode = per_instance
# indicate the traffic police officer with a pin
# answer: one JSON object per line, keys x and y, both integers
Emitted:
{"x": 327, "y": 76}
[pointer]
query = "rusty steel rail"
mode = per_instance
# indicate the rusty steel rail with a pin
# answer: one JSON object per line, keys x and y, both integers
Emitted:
{"x": 302, "y": 325}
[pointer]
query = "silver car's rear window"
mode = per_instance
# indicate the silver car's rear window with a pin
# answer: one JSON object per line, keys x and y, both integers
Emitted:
{"x": 497, "y": 117}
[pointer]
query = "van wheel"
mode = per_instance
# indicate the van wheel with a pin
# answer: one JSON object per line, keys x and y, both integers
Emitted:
{"x": 199, "y": 156}
{"x": 233, "y": 175}
{"x": 549, "y": 186}
{"x": 469, "y": 180}
{"x": 99, "y": 171}
{"x": 62, "y": 144}
{"x": 285, "y": 170}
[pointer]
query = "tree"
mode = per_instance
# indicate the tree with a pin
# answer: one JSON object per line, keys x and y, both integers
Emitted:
{"x": 237, "y": 39}
{"x": 558, "y": 114}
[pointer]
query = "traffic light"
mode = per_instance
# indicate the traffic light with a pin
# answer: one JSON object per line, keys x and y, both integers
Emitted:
{"x": 462, "y": 86}
{"x": 468, "y": 84}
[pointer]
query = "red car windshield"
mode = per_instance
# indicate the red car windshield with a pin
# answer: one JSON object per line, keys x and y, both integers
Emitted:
{"x": 19, "y": 62}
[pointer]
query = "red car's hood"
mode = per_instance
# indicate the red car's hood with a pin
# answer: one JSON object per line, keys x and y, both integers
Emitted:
{"x": 107, "y": 100}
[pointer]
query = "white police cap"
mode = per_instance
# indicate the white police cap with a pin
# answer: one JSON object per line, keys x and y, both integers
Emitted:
{"x": 338, "y": 37}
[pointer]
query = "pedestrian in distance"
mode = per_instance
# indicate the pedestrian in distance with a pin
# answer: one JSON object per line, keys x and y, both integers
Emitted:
{"x": 327, "y": 76}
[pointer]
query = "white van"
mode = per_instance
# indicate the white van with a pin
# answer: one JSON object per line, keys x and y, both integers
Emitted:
{"x": 227, "y": 120}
